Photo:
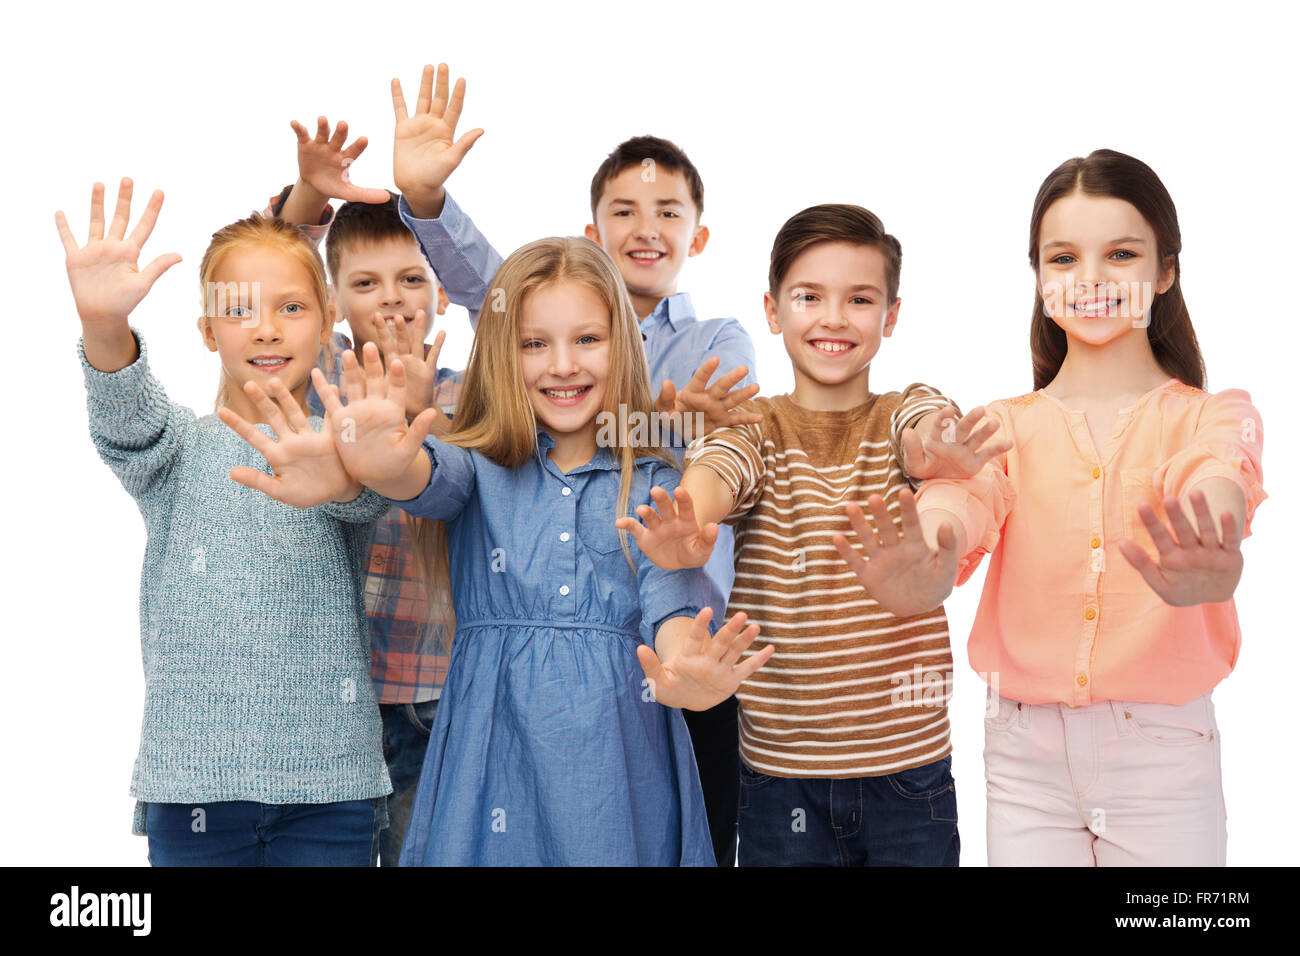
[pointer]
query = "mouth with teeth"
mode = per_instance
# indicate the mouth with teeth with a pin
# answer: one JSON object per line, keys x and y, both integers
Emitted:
{"x": 646, "y": 257}
{"x": 1089, "y": 308}
{"x": 270, "y": 363}
{"x": 831, "y": 346}
{"x": 573, "y": 395}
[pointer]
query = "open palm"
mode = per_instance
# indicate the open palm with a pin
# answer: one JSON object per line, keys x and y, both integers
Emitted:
{"x": 425, "y": 148}
{"x": 323, "y": 162}
{"x": 952, "y": 448}
{"x": 671, "y": 537}
{"x": 1194, "y": 565}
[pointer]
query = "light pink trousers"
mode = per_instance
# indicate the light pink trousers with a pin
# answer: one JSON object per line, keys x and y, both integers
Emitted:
{"x": 1109, "y": 784}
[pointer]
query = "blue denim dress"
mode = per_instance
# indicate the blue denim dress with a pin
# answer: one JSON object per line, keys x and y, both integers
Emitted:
{"x": 548, "y": 748}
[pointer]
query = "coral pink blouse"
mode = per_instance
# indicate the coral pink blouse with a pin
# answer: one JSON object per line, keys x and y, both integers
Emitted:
{"x": 1064, "y": 617}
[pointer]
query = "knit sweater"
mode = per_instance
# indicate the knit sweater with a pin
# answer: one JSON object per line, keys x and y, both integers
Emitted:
{"x": 252, "y": 624}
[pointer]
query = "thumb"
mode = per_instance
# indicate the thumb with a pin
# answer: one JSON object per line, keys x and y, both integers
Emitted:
{"x": 667, "y": 399}
{"x": 464, "y": 144}
{"x": 153, "y": 270}
{"x": 650, "y": 664}
{"x": 419, "y": 429}
{"x": 913, "y": 449}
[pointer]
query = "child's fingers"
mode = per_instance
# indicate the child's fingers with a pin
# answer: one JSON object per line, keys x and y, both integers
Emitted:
{"x": 431, "y": 356}
{"x": 851, "y": 557}
{"x": 742, "y": 672}
{"x": 402, "y": 333}
{"x": 725, "y": 383}
{"x": 151, "y": 273}
{"x": 122, "y": 212}
{"x": 384, "y": 336}
{"x": 685, "y": 507}
{"x": 340, "y": 135}
{"x": 884, "y": 523}
{"x": 257, "y": 480}
{"x": 353, "y": 383}
{"x": 417, "y": 329}
{"x": 374, "y": 370}
{"x": 664, "y": 502}
{"x": 737, "y": 644}
{"x": 633, "y": 527}
{"x": 354, "y": 151}
{"x": 866, "y": 534}
{"x": 328, "y": 394}
{"x": 269, "y": 409}
{"x": 464, "y": 144}
{"x": 425, "y": 96}
{"x": 649, "y": 517}
{"x": 396, "y": 383}
{"x": 1205, "y": 528}
{"x": 65, "y": 234}
{"x": 289, "y": 406}
{"x": 1182, "y": 528}
{"x": 96, "y": 212}
{"x": 911, "y": 519}
{"x": 1160, "y": 536}
{"x": 913, "y": 450}
{"x": 1231, "y": 533}
{"x": 451, "y": 115}
{"x": 299, "y": 131}
{"x": 979, "y": 435}
{"x": 140, "y": 234}
{"x": 700, "y": 380}
{"x": 418, "y": 431}
{"x": 1142, "y": 563}
{"x": 258, "y": 440}
{"x": 439, "y": 105}
{"x": 966, "y": 423}
{"x": 399, "y": 101}
{"x": 650, "y": 664}
{"x": 666, "y": 403}
{"x": 322, "y": 130}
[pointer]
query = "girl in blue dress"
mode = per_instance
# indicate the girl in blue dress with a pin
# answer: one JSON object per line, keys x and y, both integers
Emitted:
{"x": 558, "y": 738}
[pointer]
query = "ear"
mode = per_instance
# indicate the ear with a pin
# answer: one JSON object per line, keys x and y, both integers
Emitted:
{"x": 699, "y": 240}
{"x": 443, "y": 301}
{"x": 1166, "y": 279}
{"x": 891, "y": 318}
{"x": 592, "y": 233}
{"x": 332, "y": 306}
{"x": 769, "y": 308}
{"x": 205, "y": 329}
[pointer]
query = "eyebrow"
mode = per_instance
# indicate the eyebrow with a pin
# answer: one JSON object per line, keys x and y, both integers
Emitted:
{"x": 817, "y": 287}
{"x": 1126, "y": 240}
{"x": 658, "y": 202}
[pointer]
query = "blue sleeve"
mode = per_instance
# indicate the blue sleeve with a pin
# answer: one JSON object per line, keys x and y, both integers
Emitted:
{"x": 137, "y": 431}
{"x": 451, "y": 482}
{"x": 668, "y": 594}
{"x": 734, "y": 347}
{"x": 462, "y": 257}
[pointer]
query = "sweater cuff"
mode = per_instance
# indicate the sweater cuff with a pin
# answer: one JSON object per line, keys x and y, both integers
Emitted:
{"x": 364, "y": 508}
{"x": 116, "y": 388}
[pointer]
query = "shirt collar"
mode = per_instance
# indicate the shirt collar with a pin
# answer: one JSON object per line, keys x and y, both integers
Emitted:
{"x": 676, "y": 310}
{"x": 603, "y": 460}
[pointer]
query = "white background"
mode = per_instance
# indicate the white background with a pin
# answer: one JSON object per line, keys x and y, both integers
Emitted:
{"x": 943, "y": 120}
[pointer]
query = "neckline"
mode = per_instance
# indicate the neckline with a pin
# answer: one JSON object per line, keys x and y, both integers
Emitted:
{"x": 1078, "y": 420}
{"x": 1120, "y": 411}
{"x": 820, "y": 416}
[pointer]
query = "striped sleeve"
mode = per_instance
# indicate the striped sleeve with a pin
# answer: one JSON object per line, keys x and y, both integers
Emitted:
{"x": 735, "y": 454}
{"x": 916, "y": 402}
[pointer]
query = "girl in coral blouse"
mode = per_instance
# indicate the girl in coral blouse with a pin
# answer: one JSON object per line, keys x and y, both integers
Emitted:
{"x": 1114, "y": 526}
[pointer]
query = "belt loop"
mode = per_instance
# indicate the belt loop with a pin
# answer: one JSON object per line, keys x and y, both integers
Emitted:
{"x": 1121, "y": 715}
{"x": 1022, "y": 715}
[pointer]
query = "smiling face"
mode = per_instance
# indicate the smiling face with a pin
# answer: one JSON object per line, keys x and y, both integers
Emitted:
{"x": 648, "y": 227}
{"x": 390, "y": 276}
{"x": 266, "y": 322}
{"x": 832, "y": 310}
{"x": 1099, "y": 268}
{"x": 564, "y": 343}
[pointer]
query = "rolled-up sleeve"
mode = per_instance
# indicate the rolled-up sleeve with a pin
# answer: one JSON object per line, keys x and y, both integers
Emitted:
{"x": 451, "y": 482}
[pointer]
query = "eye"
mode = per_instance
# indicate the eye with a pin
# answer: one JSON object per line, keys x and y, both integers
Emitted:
{"x": 860, "y": 300}
{"x": 623, "y": 212}
{"x": 293, "y": 308}
{"x": 530, "y": 343}
{"x": 669, "y": 212}
{"x": 416, "y": 279}
{"x": 361, "y": 283}
{"x": 807, "y": 297}
{"x": 1125, "y": 253}
{"x": 588, "y": 339}
{"x": 1060, "y": 260}
{"x": 238, "y": 312}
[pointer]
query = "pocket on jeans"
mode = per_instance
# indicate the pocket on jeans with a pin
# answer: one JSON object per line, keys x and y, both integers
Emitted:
{"x": 1000, "y": 713}
{"x": 421, "y": 716}
{"x": 1171, "y": 725}
{"x": 752, "y": 778}
{"x": 924, "y": 782}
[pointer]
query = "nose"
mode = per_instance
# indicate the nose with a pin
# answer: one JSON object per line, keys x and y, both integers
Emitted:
{"x": 833, "y": 317}
{"x": 647, "y": 229}
{"x": 392, "y": 296}
{"x": 268, "y": 328}
{"x": 564, "y": 362}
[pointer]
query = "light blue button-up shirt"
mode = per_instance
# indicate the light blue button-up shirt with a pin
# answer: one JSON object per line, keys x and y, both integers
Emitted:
{"x": 677, "y": 342}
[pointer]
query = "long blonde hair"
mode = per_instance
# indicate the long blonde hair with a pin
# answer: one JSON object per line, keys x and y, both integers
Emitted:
{"x": 493, "y": 414}
{"x": 257, "y": 230}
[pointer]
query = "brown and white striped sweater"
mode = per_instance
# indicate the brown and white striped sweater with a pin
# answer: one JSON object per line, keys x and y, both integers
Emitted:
{"x": 852, "y": 690}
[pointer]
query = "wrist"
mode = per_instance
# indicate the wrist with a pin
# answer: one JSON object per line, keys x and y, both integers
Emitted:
{"x": 425, "y": 203}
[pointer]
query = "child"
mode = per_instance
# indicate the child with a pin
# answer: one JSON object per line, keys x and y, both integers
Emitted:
{"x": 646, "y": 201}
{"x": 261, "y": 736}
{"x": 1101, "y": 746}
{"x": 383, "y": 288}
{"x": 844, "y": 738}
{"x": 550, "y": 746}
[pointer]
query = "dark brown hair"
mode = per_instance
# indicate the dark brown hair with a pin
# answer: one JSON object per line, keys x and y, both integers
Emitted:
{"x": 635, "y": 152}
{"x": 1105, "y": 172}
{"x": 833, "y": 222}
{"x": 360, "y": 222}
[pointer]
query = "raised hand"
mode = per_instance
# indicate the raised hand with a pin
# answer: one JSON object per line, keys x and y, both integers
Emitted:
{"x": 716, "y": 403}
{"x": 403, "y": 342}
{"x": 901, "y": 572}
{"x": 951, "y": 448}
{"x": 671, "y": 537}
{"x": 1195, "y": 565}
{"x": 107, "y": 283}
{"x": 307, "y": 467}
{"x": 372, "y": 436}
{"x": 425, "y": 148}
{"x": 703, "y": 671}
{"x": 323, "y": 162}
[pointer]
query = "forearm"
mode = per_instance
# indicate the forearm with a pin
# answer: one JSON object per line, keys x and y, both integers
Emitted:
{"x": 1221, "y": 494}
{"x": 305, "y": 205}
{"x": 710, "y": 495}
{"x": 410, "y": 483}
{"x": 426, "y": 204}
{"x": 109, "y": 344}
{"x": 672, "y": 636}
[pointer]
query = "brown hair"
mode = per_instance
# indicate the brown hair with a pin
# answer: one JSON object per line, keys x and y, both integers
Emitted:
{"x": 1105, "y": 172}
{"x": 275, "y": 234}
{"x": 645, "y": 151}
{"x": 833, "y": 222}
{"x": 357, "y": 223}
{"x": 493, "y": 415}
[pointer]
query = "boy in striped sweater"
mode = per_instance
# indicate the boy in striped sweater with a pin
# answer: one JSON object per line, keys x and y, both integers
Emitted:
{"x": 844, "y": 734}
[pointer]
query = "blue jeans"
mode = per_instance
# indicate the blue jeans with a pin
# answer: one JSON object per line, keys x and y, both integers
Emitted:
{"x": 244, "y": 833}
{"x": 406, "y": 738}
{"x": 907, "y": 818}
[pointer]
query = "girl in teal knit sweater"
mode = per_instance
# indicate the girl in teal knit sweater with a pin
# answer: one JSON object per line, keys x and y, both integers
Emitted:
{"x": 261, "y": 735}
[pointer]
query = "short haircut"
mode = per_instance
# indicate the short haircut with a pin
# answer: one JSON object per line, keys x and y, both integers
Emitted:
{"x": 643, "y": 151}
{"x": 356, "y": 223}
{"x": 833, "y": 222}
